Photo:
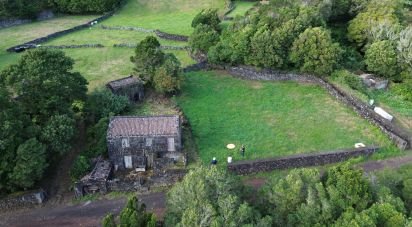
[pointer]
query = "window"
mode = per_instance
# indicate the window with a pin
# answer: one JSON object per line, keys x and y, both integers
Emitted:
{"x": 171, "y": 144}
{"x": 125, "y": 143}
{"x": 149, "y": 142}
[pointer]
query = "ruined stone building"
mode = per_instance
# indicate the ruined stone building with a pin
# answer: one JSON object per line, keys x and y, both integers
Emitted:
{"x": 144, "y": 142}
{"x": 131, "y": 87}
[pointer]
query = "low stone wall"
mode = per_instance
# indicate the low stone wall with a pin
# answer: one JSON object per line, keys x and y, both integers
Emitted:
{"x": 196, "y": 67}
{"x": 131, "y": 45}
{"x": 399, "y": 137}
{"x": 73, "y": 46}
{"x": 127, "y": 28}
{"x": 59, "y": 33}
{"x": 168, "y": 36}
{"x": 26, "y": 200}
{"x": 297, "y": 161}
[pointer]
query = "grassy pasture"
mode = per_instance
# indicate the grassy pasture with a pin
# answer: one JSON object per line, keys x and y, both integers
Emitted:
{"x": 24, "y": 33}
{"x": 270, "y": 118}
{"x": 241, "y": 8}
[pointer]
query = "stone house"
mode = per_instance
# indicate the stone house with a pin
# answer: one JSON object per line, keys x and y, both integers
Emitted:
{"x": 144, "y": 142}
{"x": 131, "y": 87}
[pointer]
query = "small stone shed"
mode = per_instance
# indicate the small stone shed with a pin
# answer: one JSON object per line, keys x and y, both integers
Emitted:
{"x": 131, "y": 87}
{"x": 96, "y": 180}
{"x": 141, "y": 142}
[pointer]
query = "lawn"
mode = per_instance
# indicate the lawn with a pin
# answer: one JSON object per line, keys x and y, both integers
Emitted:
{"x": 24, "y": 33}
{"x": 241, "y": 8}
{"x": 271, "y": 118}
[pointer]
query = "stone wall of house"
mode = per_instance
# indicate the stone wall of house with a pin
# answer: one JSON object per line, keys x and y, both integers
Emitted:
{"x": 59, "y": 33}
{"x": 26, "y": 200}
{"x": 297, "y": 161}
{"x": 399, "y": 136}
{"x": 159, "y": 147}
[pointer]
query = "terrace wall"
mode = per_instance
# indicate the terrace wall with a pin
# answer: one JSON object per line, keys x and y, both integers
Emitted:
{"x": 399, "y": 137}
{"x": 296, "y": 161}
{"x": 26, "y": 200}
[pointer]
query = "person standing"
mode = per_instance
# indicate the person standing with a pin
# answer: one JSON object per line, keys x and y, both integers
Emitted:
{"x": 242, "y": 150}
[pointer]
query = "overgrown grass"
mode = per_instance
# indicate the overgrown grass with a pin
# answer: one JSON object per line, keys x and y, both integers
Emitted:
{"x": 241, "y": 8}
{"x": 271, "y": 119}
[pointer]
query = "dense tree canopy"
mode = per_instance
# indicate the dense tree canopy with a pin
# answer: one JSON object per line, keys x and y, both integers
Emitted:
{"x": 203, "y": 37}
{"x": 315, "y": 52}
{"x": 167, "y": 77}
{"x": 381, "y": 58}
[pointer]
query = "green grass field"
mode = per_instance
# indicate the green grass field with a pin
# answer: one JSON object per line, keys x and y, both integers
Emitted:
{"x": 241, "y": 8}
{"x": 270, "y": 118}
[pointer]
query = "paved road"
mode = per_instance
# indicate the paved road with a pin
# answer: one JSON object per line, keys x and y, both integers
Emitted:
{"x": 84, "y": 214}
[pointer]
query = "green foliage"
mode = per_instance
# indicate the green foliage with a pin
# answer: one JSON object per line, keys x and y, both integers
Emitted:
{"x": 84, "y": 6}
{"x": 108, "y": 221}
{"x": 404, "y": 90}
{"x": 21, "y": 8}
{"x": 45, "y": 84}
{"x": 147, "y": 58}
{"x": 351, "y": 80}
{"x": 30, "y": 164}
{"x": 103, "y": 103}
{"x": 96, "y": 138}
{"x": 404, "y": 48}
{"x": 168, "y": 76}
{"x": 58, "y": 133}
{"x": 203, "y": 37}
{"x": 80, "y": 167}
{"x": 135, "y": 215}
{"x": 314, "y": 52}
{"x": 378, "y": 12}
{"x": 207, "y": 17}
{"x": 208, "y": 197}
{"x": 381, "y": 58}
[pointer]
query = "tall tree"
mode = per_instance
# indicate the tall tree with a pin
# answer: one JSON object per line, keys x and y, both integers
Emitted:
{"x": 58, "y": 133}
{"x": 314, "y": 52}
{"x": 44, "y": 83}
{"x": 147, "y": 58}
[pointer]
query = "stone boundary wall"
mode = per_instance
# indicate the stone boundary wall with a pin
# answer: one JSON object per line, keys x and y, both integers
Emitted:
{"x": 131, "y": 45}
{"x": 73, "y": 46}
{"x": 196, "y": 67}
{"x": 399, "y": 137}
{"x": 168, "y": 36}
{"x": 230, "y": 9}
{"x": 59, "y": 33}
{"x": 127, "y": 28}
{"x": 26, "y": 200}
{"x": 297, "y": 161}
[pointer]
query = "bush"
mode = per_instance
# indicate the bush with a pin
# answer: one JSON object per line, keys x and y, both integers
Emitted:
{"x": 403, "y": 90}
{"x": 167, "y": 77}
{"x": 207, "y": 17}
{"x": 354, "y": 82}
{"x": 96, "y": 138}
{"x": 103, "y": 103}
{"x": 80, "y": 168}
{"x": 381, "y": 58}
{"x": 314, "y": 52}
{"x": 203, "y": 37}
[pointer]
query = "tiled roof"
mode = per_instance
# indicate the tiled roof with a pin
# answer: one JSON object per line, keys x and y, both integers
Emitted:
{"x": 130, "y": 80}
{"x": 143, "y": 126}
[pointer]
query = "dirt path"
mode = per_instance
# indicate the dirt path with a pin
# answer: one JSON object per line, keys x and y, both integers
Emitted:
{"x": 84, "y": 214}
{"x": 91, "y": 213}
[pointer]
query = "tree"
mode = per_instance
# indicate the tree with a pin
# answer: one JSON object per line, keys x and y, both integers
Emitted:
{"x": 203, "y": 37}
{"x": 108, "y": 221}
{"x": 134, "y": 215}
{"x": 378, "y": 12}
{"x": 30, "y": 164}
{"x": 167, "y": 77}
{"x": 314, "y": 52}
{"x": 207, "y": 17}
{"x": 58, "y": 133}
{"x": 381, "y": 58}
{"x": 147, "y": 58}
{"x": 80, "y": 167}
{"x": 103, "y": 103}
{"x": 209, "y": 197}
{"x": 404, "y": 47}
{"x": 264, "y": 51}
{"x": 44, "y": 83}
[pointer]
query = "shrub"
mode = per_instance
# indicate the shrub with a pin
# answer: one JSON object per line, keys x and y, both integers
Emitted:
{"x": 80, "y": 168}
{"x": 207, "y": 17}
{"x": 167, "y": 77}
{"x": 314, "y": 52}
{"x": 354, "y": 82}
{"x": 203, "y": 37}
{"x": 381, "y": 58}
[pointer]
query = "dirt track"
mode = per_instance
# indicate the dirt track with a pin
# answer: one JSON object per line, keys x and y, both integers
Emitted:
{"x": 91, "y": 213}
